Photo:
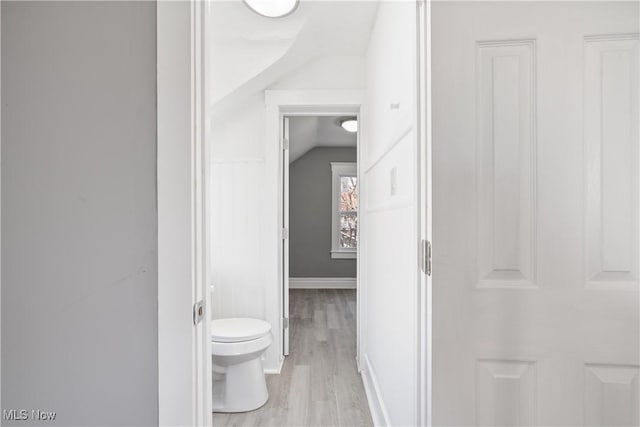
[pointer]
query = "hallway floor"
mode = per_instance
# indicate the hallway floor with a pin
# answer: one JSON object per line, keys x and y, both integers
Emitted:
{"x": 319, "y": 384}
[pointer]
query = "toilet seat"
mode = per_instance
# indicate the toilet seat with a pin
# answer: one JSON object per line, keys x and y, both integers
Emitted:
{"x": 235, "y": 330}
{"x": 241, "y": 347}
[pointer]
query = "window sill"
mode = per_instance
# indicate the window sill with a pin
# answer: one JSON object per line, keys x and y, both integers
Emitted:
{"x": 344, "y": 254}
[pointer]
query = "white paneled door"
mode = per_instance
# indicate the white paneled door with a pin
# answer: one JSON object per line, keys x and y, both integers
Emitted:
{"x": 536, "y": 213}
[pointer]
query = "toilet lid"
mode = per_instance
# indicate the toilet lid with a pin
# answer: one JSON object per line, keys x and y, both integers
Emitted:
{"x": 238, "y": 329}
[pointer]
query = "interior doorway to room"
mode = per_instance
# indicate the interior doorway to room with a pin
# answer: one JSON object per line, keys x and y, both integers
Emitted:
{"x": 320, "y": 224}
{"x": 319, "y": 64}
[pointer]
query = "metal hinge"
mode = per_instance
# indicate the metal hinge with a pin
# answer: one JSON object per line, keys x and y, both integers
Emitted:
{"x": 285, "y": 143}
{"x": 198, "y": 312}
{"x": 285, "y": 322}
{"x": 285, "y": 233}
{"x": 426, "y": 257}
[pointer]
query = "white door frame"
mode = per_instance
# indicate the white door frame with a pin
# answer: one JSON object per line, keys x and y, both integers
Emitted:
{"x": 282, "y": 103}
{"x": 184, "y": 354}
{"x": 285, "y": 238}
{"x": 426, "y": 209}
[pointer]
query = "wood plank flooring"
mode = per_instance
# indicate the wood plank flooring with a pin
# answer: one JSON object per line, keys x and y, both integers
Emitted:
{"x": 319, "y": 384}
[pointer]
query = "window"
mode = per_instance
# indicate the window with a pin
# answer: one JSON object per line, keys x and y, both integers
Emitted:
{"x": 344, "y": 208}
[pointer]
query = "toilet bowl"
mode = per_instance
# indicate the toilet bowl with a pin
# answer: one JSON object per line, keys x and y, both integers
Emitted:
{"x": 238, "y": 378}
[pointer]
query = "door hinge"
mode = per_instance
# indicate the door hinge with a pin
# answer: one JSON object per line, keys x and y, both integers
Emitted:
{"x": 285, "y": 233}
{"x": 198, "y": 312}
{"x": 285, "y": 323}
{"x": 426, "y": 257}
{"x": 285, "y": 143}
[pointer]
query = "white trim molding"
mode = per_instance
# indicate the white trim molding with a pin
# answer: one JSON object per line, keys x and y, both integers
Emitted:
{"x": 323, "y": 283}
{"x": 184, "y": 351}
{"x": 378, "y": 411}
{"x": 344, "y": 253}
{"x": 339, "y": 170}
{"x": 274, "y": 371}
{"x": 426, "y": 213}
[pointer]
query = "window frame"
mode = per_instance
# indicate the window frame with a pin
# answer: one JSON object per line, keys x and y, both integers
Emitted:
{"x": 339, "y": 170}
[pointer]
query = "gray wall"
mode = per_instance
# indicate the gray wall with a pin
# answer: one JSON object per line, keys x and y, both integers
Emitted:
{"x": 310, "y": 215}
{"x": 79, "y": 220}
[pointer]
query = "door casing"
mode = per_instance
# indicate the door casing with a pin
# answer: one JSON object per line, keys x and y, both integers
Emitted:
{"x": 281, "y": 103}
{"x": 425, "y": 205}
{"x": 184, "y": 352}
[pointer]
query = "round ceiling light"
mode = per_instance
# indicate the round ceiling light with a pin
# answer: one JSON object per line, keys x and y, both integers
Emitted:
{"x": 350, "y": 124}
{"x": 272, "y": 8}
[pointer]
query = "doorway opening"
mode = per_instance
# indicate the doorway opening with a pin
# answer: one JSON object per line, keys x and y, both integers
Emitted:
{"x": 320, "y": 226}
{"x": 319, "y": 171}
{"x": 265, "y": 75}
{"x": 219, "y": 129}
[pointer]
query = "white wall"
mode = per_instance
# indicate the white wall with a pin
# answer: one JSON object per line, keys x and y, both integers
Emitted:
{"x": 326, "y": 72}
{"x": 389, "y": 269}
{"x": 79, "y": 214}
{"x": 244, "y": 281}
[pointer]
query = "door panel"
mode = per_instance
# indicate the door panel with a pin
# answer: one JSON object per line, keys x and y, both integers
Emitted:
{"x": 536, "y": 213}
{"x": 506, "y": 182}
{"x": 611, "y": 137}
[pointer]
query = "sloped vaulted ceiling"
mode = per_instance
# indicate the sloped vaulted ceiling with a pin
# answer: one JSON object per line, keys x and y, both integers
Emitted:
{"x": 247, "y": 52}
{"x": 308, "y": 132}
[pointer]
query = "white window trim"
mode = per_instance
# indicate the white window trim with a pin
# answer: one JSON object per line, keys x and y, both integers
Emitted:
{"x": 339, "y": 169}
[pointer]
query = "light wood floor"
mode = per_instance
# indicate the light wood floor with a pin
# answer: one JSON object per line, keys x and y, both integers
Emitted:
{"x": 319, "y": 384}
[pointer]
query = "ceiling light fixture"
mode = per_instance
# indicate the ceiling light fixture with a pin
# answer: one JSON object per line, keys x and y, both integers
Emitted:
{"x": 350, "y": 124}
{"x": 272, "y": 8}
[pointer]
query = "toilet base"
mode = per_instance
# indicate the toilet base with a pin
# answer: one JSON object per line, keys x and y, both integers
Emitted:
{"x": 239, "y": 388}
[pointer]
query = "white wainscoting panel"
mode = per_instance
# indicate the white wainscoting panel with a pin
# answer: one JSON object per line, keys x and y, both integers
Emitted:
{"x": 612, "y": 156}
{"x": 506, "y": 163}
{"x": 388, "y": 258}
{"x": 611, "y": 395}
{"x": 505, "y": 393}
{"x": 236, "y": 257}
{"x": 322, "y": 283}
{"x": 391, "y": 279}
{"x": 391, "y": 182}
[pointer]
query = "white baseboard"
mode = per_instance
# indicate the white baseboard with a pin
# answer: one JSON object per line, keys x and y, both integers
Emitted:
{"x": 322, "y": 283}
{"x": 271, "y": 371}
{"x": 379, "y": 412}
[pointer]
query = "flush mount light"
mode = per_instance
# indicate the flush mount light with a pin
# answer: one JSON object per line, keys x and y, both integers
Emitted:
{"x": 272, "y": 8}
{"x": 350, "y": 124}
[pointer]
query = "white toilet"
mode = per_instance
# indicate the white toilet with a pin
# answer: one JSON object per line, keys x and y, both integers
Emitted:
{"x": 238, "y": 379}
